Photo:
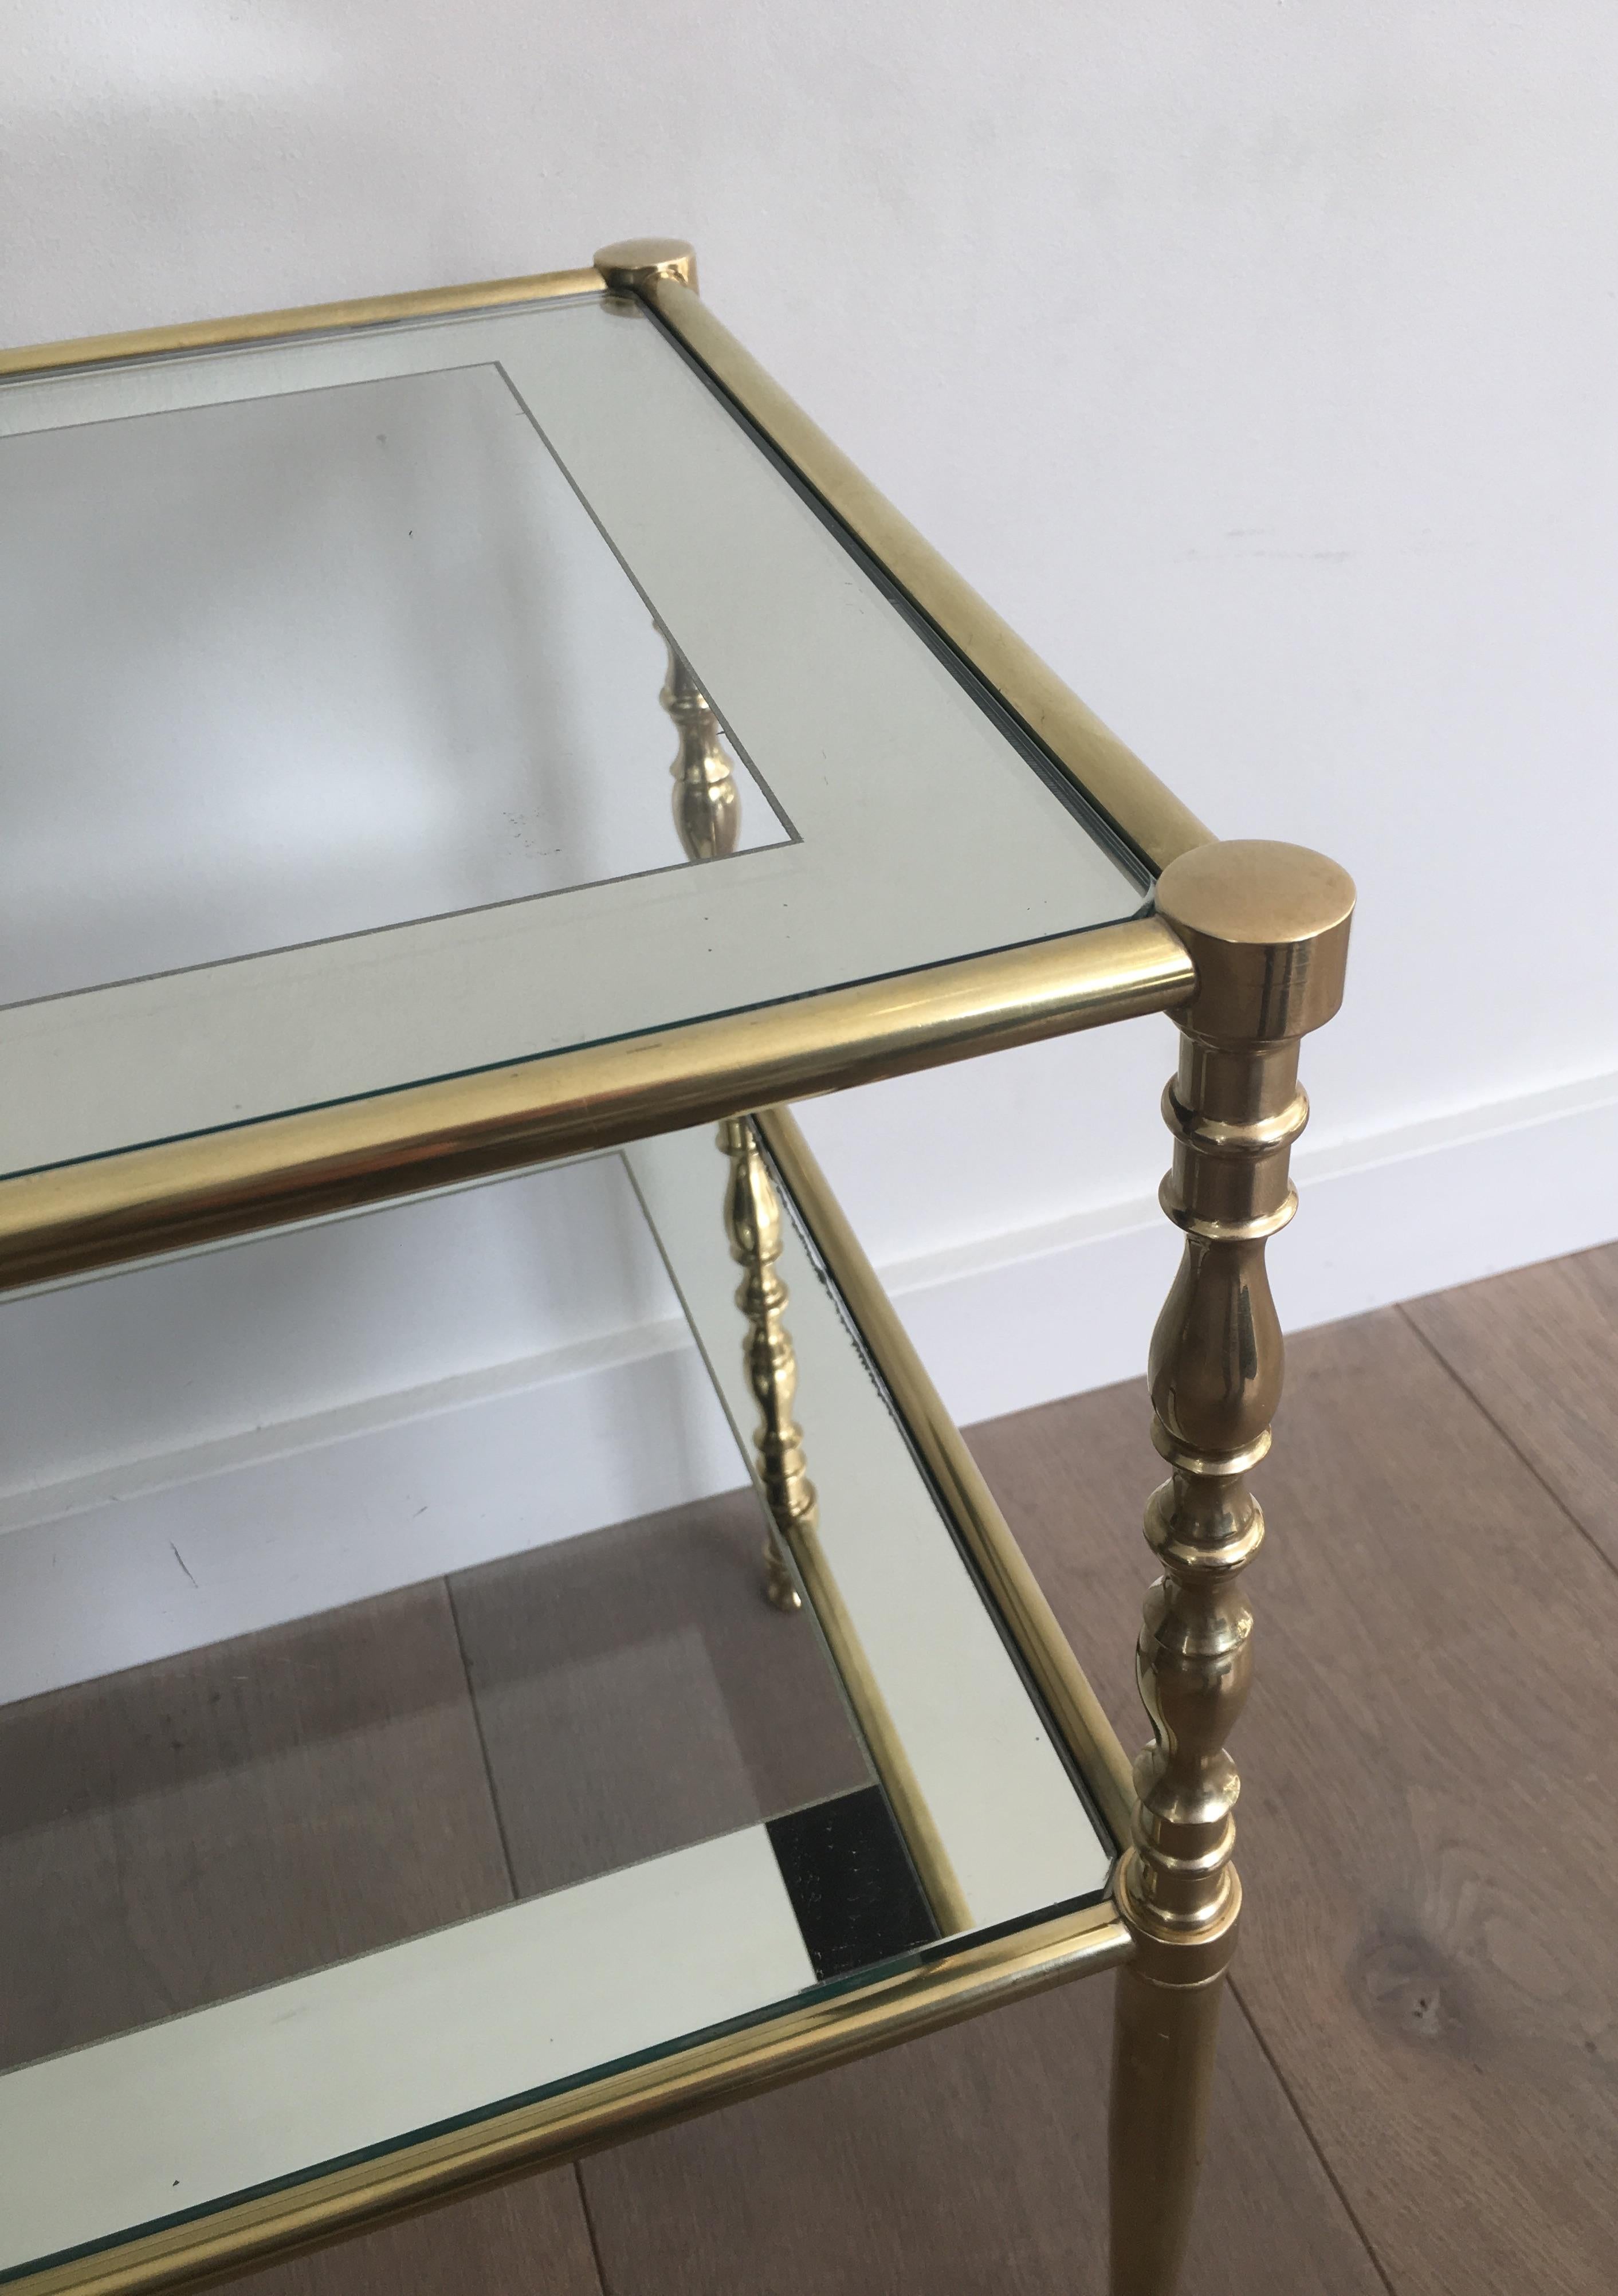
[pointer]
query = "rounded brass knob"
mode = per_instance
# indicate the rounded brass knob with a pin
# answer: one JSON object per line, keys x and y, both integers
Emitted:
{"x": 629, "y": 265}
{"x": 1267, "y": 927}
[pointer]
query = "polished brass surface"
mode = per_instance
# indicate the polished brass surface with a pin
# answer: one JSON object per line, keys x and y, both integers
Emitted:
{"x": 1164, "y": 2040}
{"x": 74, "y": 1218}
{"x": 1268, "y": 927}
{"x": 307, "y": 319}
{"x": 753, "y": 1220}
{"x": 1150, "y": 817}
{"x": 707, "y": 802}
{"x": 1075, "y": 1710}
{"x": 831, "y": 2031}
{"x": 632, "y": 266}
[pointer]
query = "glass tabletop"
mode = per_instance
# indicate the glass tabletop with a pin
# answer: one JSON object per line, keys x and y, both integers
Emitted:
{"x": 366, "y": 1773}
{"x": 332, "y": 753}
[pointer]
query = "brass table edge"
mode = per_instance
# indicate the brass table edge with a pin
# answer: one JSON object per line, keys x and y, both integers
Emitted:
{"x": 310, "y": 319}
{"x": 732, "y": 2065}
{"x": 1088, "y": 752}
{"x": 71, "y": 1219}
{"x": 1074, "y": 1709}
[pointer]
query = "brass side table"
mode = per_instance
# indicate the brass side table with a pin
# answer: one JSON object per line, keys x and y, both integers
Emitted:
{"x": 897, "y": 841}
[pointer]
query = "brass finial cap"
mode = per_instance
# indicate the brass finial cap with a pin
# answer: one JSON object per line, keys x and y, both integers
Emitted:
{"x": 631, "y": 264}
{"x": 1267, "y": 927}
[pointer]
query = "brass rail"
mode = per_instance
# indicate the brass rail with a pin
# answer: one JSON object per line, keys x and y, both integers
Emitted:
{"x": 72, "y": 1219}
{"x": 310, "y": 319}
{"x": 1099, "y": 764}
{"x": 830, "y": 2031}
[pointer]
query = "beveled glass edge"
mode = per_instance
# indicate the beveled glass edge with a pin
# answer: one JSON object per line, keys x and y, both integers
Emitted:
{"x": 70, "y": 1219}
{"x": 833, "y": 2028}
{"x": 1148, "y": 817}
{"x": 307, "y": 319}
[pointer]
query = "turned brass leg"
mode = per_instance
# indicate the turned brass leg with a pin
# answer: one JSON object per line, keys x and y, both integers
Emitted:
{"x": 753, "y": 1219}
{"x": 1267, "y": 926}
{"x": 707, "y": 803}
{"x": 1163, "y": 2039}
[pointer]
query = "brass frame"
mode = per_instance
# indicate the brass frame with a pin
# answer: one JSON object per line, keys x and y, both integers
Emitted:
{"x": 174, "y": 1195}
{"x": 722, "y": 2070}
{"x": 1247, "y": 950}
{"x": 309, "y": 319}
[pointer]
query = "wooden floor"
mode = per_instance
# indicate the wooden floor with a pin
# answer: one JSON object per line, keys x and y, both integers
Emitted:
{"x": 1418, "y": 2090}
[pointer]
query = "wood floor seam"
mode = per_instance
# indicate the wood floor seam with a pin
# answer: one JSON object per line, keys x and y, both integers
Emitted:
{"x": 589, "y": 2230}
{"x": 1315, "y": 2145}
{"x": 1505, "y": 1435}
{"x": 477, "y": 1722}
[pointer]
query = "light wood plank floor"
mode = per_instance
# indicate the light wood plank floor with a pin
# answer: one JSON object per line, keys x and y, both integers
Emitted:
{"x": 1418, "y": 2091}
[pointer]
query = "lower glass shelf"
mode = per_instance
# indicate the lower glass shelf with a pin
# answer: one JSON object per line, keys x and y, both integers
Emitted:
{"x": 400, "y": 1791}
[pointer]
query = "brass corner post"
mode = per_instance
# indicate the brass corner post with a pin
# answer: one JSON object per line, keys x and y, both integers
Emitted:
{"x": 631, "y": 266}
{"x": 1267, "y": 927}
{"x": 753, "y": 1220}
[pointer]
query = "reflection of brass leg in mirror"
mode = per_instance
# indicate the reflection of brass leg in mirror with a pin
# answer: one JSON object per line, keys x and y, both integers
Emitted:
{"x": 707, "y": 803}
{"x": 752, "y": 1218}
{"x": 1267, "y": 926}
{"x": 752, "y": 1215}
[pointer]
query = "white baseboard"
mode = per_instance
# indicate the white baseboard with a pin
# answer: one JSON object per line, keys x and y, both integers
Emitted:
{"x": 1022, "y": 1318}
{"x": 161, "y": 1554}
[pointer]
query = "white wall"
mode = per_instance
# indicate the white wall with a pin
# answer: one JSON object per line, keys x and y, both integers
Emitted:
{"x": 1258, "y": 361}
